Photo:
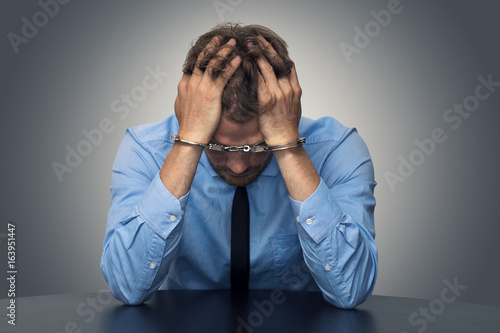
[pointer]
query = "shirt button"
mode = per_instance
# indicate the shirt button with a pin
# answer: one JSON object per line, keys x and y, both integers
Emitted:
{"x": 173, "y": 218}
{"x": 309, "y": 221}
{"x": 152, "y": 265}
{"x": 298, "y": 219}
{"x": 327, "y": 267}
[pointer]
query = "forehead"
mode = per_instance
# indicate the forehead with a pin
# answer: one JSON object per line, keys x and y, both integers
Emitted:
{"x": 231, "y": 133}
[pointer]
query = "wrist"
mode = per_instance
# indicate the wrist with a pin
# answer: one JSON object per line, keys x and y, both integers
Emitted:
{"x": 185, "y": 153}
{"x": 299, "y": 174}
{"x": 194, "y": 137}
{"x": 295, "y": 152}
{"x": 286, "y": 146}
{"x": 281, "y": 139}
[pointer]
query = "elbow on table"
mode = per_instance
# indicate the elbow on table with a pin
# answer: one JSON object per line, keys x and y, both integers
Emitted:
{"x": 352, "y": 297}
{"x": 122, "y": 292}
{"x": 128, "y": 297}
{"x": 128, "y": 301}
{"x": 347, "y": 302}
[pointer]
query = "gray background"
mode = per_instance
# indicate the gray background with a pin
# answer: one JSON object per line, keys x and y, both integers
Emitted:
{"x": 441, "y": 223}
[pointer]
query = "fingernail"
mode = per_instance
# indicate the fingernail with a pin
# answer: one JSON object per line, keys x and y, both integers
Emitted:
{"x": 232, "y": 41}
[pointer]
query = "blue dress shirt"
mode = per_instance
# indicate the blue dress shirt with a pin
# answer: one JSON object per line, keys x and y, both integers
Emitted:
{"x": 326, "y": 242}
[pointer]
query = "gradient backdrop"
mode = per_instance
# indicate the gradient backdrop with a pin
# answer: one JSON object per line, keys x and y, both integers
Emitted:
{"x": 440, "y": 223}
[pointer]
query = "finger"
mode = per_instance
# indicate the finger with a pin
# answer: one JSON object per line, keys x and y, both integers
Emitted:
{"x": 294, "y": 82}
{"x": 219, "y": 58}
{"x": 222, "y": 54}
{"x": 214, "y": 42}
{"x": 268, "y": 74}
{"x": 266, "y": 69}
{"x": 263, "y": 92}
{"x": 181, "y": 87}
{"x": 222, "y": 80}
{"x": 270, "y": 49}
{"x": 286, "y": 88}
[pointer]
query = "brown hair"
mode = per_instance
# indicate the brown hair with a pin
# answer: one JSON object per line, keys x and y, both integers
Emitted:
{"x": 239, "y": 99}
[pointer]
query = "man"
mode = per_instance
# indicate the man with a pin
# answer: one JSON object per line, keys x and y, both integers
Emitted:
{"x": 236, "y": 131}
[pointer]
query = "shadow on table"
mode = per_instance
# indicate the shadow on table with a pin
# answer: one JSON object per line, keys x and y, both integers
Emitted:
{"x": 221, "y": 311}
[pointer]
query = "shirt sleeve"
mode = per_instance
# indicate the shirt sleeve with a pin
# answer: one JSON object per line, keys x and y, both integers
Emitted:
{"x": 336, "y": 228}
{"x": 144, "y": 226}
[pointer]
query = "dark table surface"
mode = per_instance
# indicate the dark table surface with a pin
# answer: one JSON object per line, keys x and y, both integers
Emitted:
{"x": 258, "y": 311}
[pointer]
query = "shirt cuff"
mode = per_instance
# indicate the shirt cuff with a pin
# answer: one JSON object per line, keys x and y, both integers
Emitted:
{"x": 160, "y": 209}
{"x": 318, "y": 214}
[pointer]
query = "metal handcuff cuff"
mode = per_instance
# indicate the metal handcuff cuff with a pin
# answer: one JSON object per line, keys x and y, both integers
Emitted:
{"x": 245, "y": 148}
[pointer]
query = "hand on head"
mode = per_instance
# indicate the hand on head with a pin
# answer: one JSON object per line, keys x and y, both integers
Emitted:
{"x": 198, "y": 102}
{"x": 265, "y": 87}
{"x": 279, "y": 122}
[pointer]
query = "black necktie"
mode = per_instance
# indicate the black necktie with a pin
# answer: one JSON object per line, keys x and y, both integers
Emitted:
{"x": 240, "y": 240}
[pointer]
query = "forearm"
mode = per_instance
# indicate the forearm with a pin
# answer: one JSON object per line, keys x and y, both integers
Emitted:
{"x": 144, "y": 226}
{"x": 299, "y": 174}
{"x": 136, "y": 260}
{"x": 338, "y": 249}
{"x": 344, "y": 264}
{"x": 179, "y": 168}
